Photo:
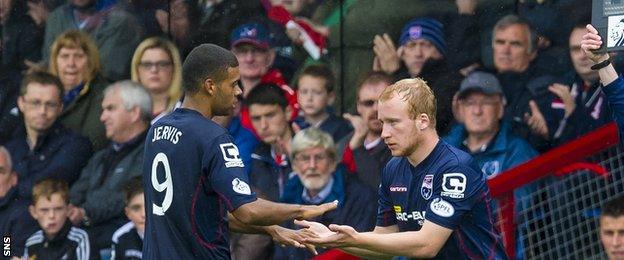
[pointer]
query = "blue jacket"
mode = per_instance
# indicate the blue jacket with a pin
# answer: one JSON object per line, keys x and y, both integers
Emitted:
{"x": 60, "y": 154}
{"x": 615, "y": 96}
{"x": 506, "y": 151}
{"x": 357, "y": 207}
{"x": 245, "y": 140}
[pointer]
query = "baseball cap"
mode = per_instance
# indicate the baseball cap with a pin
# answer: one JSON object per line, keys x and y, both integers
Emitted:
{"x": 424, "y": 28}
{"x": 251, "y": 33}
{"x": 478, "y": 81}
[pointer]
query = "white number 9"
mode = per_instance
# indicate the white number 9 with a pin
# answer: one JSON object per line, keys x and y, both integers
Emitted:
{"x": 166, "y": 186}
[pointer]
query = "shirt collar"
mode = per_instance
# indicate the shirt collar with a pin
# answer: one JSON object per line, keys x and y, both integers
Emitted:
{"x": 321, "y": 196}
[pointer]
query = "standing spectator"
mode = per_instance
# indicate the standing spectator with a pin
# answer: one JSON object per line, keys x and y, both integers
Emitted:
{"x": 320, "y": 179}
{"x": 75, "y": 61}
{"x": 20, "y": 38}
{"x": 57, "y": 238}
{"x": 128, "y": 239}
{"x": 42, "y": 147}
{"x": 612, "y": 228}
{"x": 315, "y": 93}
{"x": 250, "y": 43}
{"x": 15, "y": 221}
{"x": 366, "y": 153}
{"x": 483, "y": 134}
{"x": 157, "y": 66}
{"x": 115, "y": 32}
{"x": 96, "y": 198}
{"x": 423, "y": 52}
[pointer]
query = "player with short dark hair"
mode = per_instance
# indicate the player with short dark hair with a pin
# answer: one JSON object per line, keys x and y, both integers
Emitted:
{"x": 193, "y": 174}
{"x": 433, "y": 199}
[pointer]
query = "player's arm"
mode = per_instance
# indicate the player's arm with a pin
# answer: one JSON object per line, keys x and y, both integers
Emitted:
{"x": 280, "y": 235}
{"x": 369, "y": 254}
{"x": 265, "y": 213}
{"x": 425, "y": 243}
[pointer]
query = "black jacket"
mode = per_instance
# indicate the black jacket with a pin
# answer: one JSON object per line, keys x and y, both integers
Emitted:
{"x": 60, "y": 154}
{"x": 266, "y": 174}
{"x": 127, "y": 244}
{"x": 15, "y": 221}
{"x": 69, "y": 243}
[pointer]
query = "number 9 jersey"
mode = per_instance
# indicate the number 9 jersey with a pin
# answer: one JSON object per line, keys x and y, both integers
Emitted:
{"x": 192, "y": 174}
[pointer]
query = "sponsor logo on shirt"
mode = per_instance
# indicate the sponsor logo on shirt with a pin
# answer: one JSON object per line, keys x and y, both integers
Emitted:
{"x": 453, "y": 185}
{"x": 398, "y": 189}
{"x": 442, "y": 208}
{"x": 241, "y": 187}
{"x": 418, "y": 216}
{"x": 231, "y": 155}
{"x": 426, "y": 190}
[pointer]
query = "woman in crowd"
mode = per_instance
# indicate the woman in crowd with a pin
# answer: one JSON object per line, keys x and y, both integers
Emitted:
{"x": 156, "y": 65}
{"x": 75, "y": 59}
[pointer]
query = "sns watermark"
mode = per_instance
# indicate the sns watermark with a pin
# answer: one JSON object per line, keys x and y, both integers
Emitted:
{"x": 6, "y": 246}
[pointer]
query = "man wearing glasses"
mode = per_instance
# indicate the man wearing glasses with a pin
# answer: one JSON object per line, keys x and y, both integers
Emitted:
{"x": 42, "y": 147}
{"x": 366, "y": 154}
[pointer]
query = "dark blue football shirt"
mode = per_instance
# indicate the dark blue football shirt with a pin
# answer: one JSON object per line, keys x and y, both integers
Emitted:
{"x": 193, "y": 174}
{"x": 448, "y": 189}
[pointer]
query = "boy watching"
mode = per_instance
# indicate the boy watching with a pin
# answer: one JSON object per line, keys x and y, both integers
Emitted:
{"x": 57, "y": 239}
{"x": 315, "y": 93}
{"x": 128, "y": 239}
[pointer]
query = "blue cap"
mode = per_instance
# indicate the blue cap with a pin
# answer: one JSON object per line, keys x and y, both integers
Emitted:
{"x": 424, "y": 28}
{"x": 251, "y": 33}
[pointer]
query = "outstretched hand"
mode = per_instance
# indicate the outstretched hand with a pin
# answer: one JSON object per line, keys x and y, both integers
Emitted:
{"x": 312, "y": 211}
{"x": 332, "y": 236}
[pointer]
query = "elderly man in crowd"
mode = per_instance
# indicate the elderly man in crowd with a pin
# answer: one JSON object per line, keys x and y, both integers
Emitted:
{"x": 97, "y": 201}
{"x": 317, "y": 179}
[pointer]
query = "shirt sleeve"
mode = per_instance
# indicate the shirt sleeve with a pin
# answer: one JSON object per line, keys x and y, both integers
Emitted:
{"x": 385, "y": 213}
{"x": 226, "y": 173}
{"x": 456, "y": 191}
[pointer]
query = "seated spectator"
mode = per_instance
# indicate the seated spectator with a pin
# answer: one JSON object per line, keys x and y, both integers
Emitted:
{"x": 366, "y": 153}
{"x": 57, "y": 239}
{"x": 490, "y": 140}
{"x": 422, "y": 51}
{"x": 21, "y": 38}
{"x": 156, "y": 65}
{"x": 268, "y": 110}
{"x": 315, "y": 93}
{"x": 15, "y": 221}
{"x": 42, "y": 147}
{"x": 96, "y": 198}
{"x": 612, "y": 228}
{"x": 74, "y": 59}
{"x": 320, "y": 179}
{"x": 115, "y": 32}
{"x": 128, "y": 239}
{"x": 250, "y": 43}
{"x": 579, "y": 105}
{"x": 514, "y": 47}
{"x": 483, "y": 134}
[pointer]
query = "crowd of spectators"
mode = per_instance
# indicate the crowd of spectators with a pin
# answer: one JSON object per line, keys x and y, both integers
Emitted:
{"x": 82, "y": 80}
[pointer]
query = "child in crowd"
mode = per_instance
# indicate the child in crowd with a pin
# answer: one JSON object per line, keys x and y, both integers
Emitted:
{"x": 128, "y": 239}
{"x": 57, "y": 239}
{"x": 315, "y": 93}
